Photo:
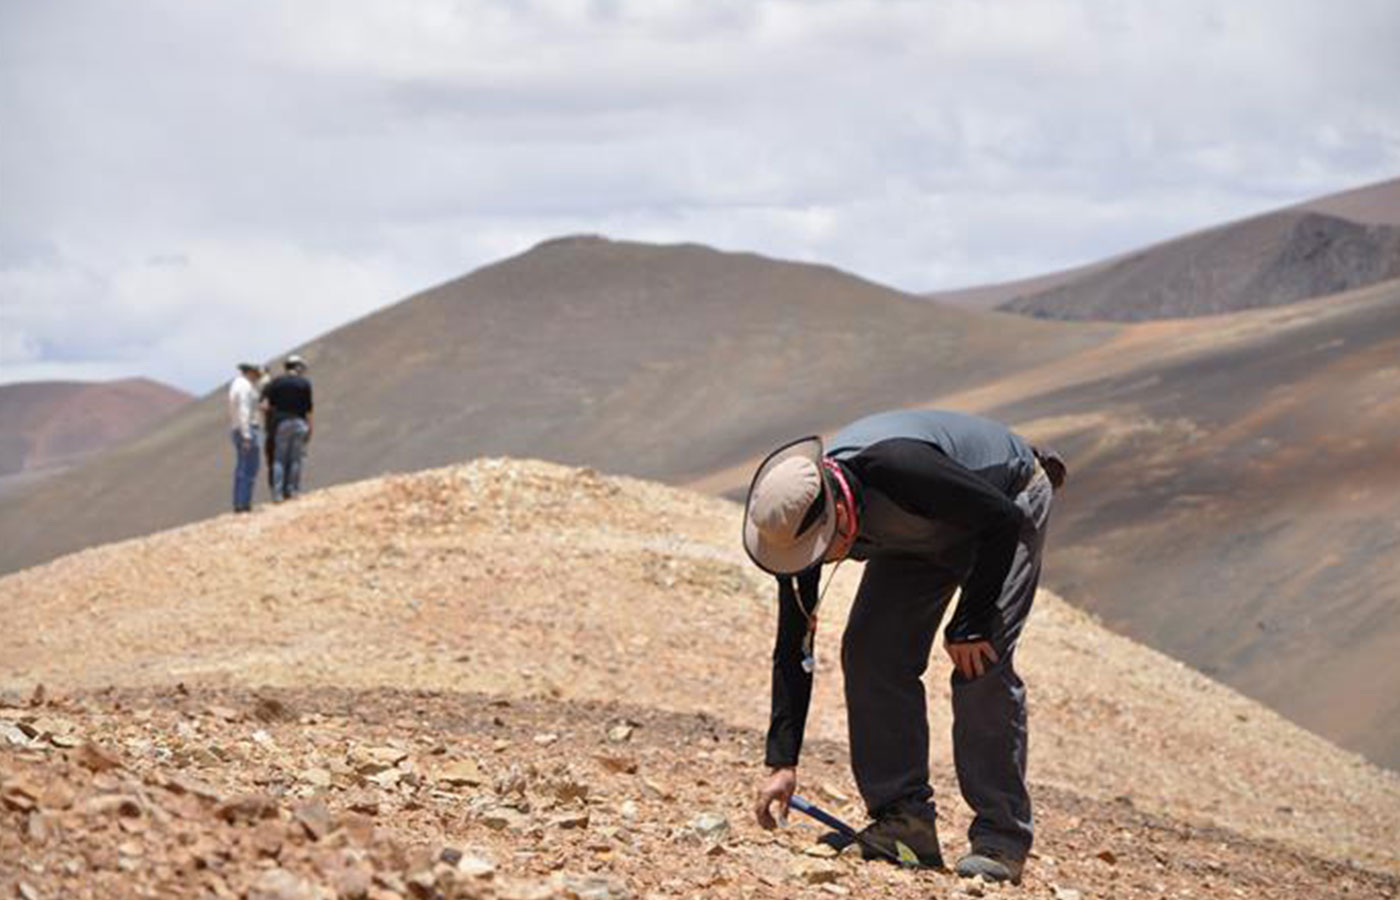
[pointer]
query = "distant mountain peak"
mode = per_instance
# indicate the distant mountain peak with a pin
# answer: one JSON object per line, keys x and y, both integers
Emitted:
{"x": 568, "y": 241}
{"x": 1269, "y": 260}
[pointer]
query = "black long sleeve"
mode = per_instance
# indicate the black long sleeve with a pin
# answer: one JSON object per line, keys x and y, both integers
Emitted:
{"x": 922, "y": 480}
{"x": 792, "y": 686}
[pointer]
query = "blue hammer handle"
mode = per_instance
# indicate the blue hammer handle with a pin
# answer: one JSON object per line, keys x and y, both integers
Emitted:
{"x": 802, "y": 805}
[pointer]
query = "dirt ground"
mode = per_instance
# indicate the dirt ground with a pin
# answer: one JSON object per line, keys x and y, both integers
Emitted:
{"x": 517, "y": 680}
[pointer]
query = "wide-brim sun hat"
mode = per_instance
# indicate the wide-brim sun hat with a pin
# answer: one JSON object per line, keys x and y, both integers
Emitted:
{"x": 790, "y": 516}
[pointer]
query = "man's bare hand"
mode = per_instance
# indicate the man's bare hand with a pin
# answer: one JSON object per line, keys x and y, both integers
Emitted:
{"x": 971, "y": 658}
{"x": 777, "y": 787}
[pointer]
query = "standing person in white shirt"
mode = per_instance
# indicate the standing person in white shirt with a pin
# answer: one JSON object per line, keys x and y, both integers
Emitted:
{"x": 247, "y": 439}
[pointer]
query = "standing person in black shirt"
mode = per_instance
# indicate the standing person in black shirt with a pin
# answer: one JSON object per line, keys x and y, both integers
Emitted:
{"x": 290, "y": 418}
{"x": 932, "y": 501}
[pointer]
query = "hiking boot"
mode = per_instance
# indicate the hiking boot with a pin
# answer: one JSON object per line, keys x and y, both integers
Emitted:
{"x": 908, "y": 832}
{"x": 991, "y": 864}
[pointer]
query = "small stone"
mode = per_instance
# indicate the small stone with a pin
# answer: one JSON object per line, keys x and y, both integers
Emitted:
{"x": 387, "y": 779}
{"x": 357, "y": 826}
{"x": 503, "y": 818}
{"x": 620, "y": 734}
{"x": 422, "y": 883}
{"x": 48, "y": 727}
{"x": 57, "y": 795}
{"x": 1107, "y": 856}
{"x": 314, "y": 818}
{"x": 268, "y": 837}
{"x": 352, "y": 882}
{"x": 544, "y": 740}
{"x": 27, "y": 891}
{"x": 1064, "y": 893}
{"x": 628, "y": 810}
{"x": 462, "y": 772}
{"x": 709, "y": 827}
{"x": 594, "y": 887}
{"x": 475, "y": 867}
{"x": 39, "y": 826}
{"x": 97, "y": 759}
{"x": 134, "y": 824}
{"x": 247, "y": 809}
{"x": 578, "y": 819}
{"x": 821, "y": 851}
{"x": 113, "y": 804}
{"x": 816, "y": 871}
{"x": 19, "y": 794}
{"x": 364, "y": 802}
{"x": 203, "y": 756}
{"x": 620, "y": 765}
{"x": 316, "y": 777}
{"x": 183, "y": 784}
{"x": 380, "y": 756}
{"x": 279, "y": 884}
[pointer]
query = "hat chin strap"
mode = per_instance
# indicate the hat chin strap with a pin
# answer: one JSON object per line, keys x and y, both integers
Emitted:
{"x": 847, "y": 496}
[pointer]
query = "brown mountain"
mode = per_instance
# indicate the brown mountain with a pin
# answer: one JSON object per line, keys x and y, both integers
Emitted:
{"x": 555, "y": 673}
{"x": 658, "y": 361}
{"x": 1190, "y": 275}
{"x": 1270, "y": 260}
{"x": 49, "y": 424}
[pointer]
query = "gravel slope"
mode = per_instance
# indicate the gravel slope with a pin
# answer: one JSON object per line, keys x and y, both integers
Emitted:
{"x": 417, "y": 610}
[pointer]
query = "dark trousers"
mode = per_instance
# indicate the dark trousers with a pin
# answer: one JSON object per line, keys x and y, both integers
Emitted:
{"x": 884, "y": 653}
{"x": 287, "y": 458}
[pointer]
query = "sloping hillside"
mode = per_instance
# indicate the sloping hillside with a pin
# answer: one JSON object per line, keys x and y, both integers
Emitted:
{"x": 48, "y": 424}
{"x": 1271, "y": 260}
{"x": 1235, "y": 504}
{"x": 656, "y": 361}
{"x": 1232, "y": 498}
{"x": 553, "y": 671}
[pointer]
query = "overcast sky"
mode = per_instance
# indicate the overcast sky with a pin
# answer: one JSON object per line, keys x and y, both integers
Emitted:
{"x": 185, "y": 184}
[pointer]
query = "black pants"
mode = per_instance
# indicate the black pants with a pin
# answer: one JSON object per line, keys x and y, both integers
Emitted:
{"x": 884, "y": 653}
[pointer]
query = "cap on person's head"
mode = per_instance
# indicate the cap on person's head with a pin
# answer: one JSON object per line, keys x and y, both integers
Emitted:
{"x": 790, "y": 516}
{"x": 249, "y": 367}
{"x": 294, "y": 362}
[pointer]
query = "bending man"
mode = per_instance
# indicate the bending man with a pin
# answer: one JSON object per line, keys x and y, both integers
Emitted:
{"x": 932, "y": 501}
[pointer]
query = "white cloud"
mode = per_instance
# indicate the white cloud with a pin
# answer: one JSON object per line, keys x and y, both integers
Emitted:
{"x": 182, "y": 170}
